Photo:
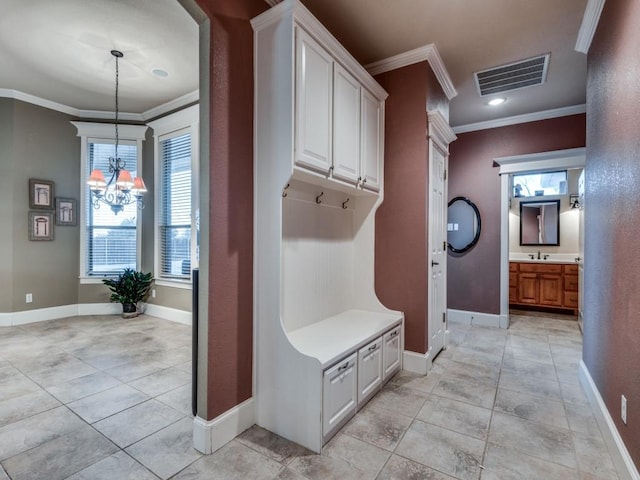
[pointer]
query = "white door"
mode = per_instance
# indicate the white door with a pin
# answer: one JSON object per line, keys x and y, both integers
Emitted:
{"x": 391, "y": 353}
{"x": 314, "y": 92}
{"x": 346, "y": 125}
{"x": 369, "y": 370}
{"x": 580, "y": 258}
{"x": 372, "y": 121}
{"x": 340, "y": 393}
{"x": 437, "y": 248}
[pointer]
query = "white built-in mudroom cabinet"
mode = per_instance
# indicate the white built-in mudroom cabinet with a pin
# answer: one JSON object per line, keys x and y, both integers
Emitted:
{"x": 324, "y": 344}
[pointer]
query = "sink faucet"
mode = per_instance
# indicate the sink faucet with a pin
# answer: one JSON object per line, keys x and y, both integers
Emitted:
{"x": 538, "y": 254}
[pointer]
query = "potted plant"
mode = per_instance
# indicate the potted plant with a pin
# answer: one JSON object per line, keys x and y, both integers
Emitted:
{"x": 129, "y": 288}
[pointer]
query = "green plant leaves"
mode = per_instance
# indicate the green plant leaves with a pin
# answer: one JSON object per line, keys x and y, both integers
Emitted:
{"x": 130, "y": 286}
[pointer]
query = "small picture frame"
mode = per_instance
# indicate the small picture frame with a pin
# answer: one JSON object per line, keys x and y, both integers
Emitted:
{"x": 40, "y": 226}
{"x": 41, "y": 194}
{"x": 66, "y": 212}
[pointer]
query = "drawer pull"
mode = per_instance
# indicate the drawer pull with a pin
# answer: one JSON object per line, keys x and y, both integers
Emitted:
{"x": 373, "y": 347}
{"x": 394, "y": 333}
{"x": 343, "y": 367}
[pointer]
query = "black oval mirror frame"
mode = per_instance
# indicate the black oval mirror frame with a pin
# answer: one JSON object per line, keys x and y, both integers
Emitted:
{"x": 478, "y": 225}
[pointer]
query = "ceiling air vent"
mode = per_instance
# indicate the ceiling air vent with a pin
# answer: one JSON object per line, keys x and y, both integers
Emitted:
{"x": 525, "y": 73}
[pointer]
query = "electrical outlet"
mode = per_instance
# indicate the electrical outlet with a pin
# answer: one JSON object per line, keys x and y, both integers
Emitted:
{"x": 153, "y": 293}
{"x": 28, "y": 298}
{"x": 623, "y": 409}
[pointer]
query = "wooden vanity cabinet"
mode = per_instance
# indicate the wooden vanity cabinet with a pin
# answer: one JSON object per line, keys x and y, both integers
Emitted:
{"x": 551, "y": 285}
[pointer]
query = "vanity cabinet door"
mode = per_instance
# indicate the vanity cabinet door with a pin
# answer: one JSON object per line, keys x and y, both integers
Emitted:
{"x": 391, "y": 353}
{"x": 528, "y": 288}
{"x": 346, "y": 126}
{"x": 369, "y": 370}
{"x": 340, "y": 393}
{"x": 314, "y": 105}
{"x": 550, "y": 290}
{"x": 371, "y": 141}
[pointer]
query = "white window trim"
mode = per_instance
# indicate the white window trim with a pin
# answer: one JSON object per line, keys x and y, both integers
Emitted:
{"x": 105, "y": 132}
{"x": 182, "y": 121}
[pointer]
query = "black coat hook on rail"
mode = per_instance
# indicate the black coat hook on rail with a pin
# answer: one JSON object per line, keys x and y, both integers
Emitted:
{"x": 318, "y": 201}
{"x": 344, "y": 204}
{"x": 284, "y": 191}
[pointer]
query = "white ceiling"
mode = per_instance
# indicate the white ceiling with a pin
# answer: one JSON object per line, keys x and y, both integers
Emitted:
{"x": 60, "y": 50}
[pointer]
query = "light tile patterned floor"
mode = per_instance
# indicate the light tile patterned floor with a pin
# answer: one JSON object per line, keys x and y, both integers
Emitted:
{"x": 93, "y": 398}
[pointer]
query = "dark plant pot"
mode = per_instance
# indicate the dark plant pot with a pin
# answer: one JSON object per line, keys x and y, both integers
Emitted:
{"x": 129, "y": 310}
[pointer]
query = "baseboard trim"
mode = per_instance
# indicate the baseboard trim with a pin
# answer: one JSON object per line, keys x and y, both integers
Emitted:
{"x": 54, "y": 313}
{"x": 619, "y": 453}
{"x": 474, "y": 318}
{"x": 211, "y": 435}
{"x": 99, "y": 309}
{"x": 419, "y": 363}
{"x": 37, "y": 315}
{"x": 168, "y": 313}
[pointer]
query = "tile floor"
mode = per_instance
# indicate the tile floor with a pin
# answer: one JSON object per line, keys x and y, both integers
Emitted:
{"x": 93, "y": 398}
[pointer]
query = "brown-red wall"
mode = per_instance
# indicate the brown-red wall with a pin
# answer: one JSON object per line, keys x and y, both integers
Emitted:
{"x": 401, "y": 220}
{"x": 231, "y": 202}
{"x": 612, "y": 216}
{"x": 473, "y": 278}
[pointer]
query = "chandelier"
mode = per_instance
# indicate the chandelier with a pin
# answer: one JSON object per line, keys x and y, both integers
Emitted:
{"x": 121, "y": 190}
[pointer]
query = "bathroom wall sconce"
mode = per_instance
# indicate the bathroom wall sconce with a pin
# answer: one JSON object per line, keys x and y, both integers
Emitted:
{"x": 574, "y": 201}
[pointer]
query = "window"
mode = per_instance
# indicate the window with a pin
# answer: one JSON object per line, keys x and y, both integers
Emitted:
{"x": 176, "y": 175}
{"x": 175, "y": 206}
{"x": 111, "y": 238}
{"x": 540, "y": 184}
{"x": 109, "y": 243}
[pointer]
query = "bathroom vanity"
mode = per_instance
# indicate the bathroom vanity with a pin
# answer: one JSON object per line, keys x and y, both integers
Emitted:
{"x": 544, "y": 284}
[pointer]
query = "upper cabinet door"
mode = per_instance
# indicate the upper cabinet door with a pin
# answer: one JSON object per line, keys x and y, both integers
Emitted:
{"x": 371, "y": 141}
{"x": 314, "y": 83}
{"x": 346, "y": 125}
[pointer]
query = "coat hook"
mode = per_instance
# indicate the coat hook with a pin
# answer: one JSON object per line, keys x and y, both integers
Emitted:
{"x": 318, "y": 201}
{"x": 344, "y": 204}
{"x": 284, "y": 191}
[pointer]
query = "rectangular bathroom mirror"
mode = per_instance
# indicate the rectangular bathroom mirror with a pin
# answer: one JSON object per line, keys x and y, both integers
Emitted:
{"x": 540, "y": 223}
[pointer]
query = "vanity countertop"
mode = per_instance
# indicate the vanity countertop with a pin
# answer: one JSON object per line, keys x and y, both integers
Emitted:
{"x": 549, "y": 260}
{"x": 566, "y": 258}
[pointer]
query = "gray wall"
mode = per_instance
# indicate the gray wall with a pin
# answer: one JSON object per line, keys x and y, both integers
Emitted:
{"x": 45, "y": 146}
{"x": 36, "y": 142}
{"x": 6, "y": 200}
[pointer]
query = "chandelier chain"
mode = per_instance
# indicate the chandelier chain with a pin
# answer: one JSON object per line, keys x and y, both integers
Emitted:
{"x": 117, "y": 84}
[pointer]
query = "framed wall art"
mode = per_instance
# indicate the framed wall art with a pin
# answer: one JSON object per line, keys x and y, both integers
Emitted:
{"x": 66, "y": 211}
{"x": 40, "y": 194}
{"x": 40, "y": 226}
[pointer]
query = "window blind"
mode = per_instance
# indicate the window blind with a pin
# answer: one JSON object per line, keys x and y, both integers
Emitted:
{"x": 111, "y": 238}
{"x": 175, "y": 205}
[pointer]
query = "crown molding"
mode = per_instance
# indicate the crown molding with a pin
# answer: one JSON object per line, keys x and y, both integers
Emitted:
{"x": 152, "y": 113}
{"x": 439, "y": 129}
{"x": 429, "y": 53}
{"x": 175, "y": 104}
{"x": 525, "y": 118}
{"x": 589, "y": 24}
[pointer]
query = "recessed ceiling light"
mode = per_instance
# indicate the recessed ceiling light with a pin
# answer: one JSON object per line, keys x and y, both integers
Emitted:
{"x": 158, "y": 72}
{"x": 497, "y": 101}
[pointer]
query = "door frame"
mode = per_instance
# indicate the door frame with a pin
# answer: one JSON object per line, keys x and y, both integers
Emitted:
{"x": 532, "y": 162}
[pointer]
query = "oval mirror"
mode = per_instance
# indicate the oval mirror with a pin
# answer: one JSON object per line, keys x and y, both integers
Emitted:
{"x": 463, "y": 225}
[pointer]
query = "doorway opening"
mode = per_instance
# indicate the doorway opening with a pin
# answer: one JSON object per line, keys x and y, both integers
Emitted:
{"x": 537, "y": 282}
